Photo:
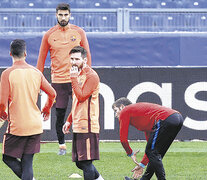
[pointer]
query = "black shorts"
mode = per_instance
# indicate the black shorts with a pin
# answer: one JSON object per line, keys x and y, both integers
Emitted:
{"x": 85, "y": 146}
{"x": 164, "y": 133}
{"x": 64, "y": 91}
{"x": 16, "y": 146}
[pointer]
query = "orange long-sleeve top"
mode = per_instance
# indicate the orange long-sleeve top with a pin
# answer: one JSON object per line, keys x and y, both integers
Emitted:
{"x": 20, "y": 85}
{"x": 59, "y": 41}
{"x": 85, "y": 108}
{"x": 143, "y": 116}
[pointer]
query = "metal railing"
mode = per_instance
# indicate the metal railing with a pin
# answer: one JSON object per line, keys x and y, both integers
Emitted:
{"x": 165, "y": 20}
{"x": 107, "y": 20}
{"x": 38, "y": 20}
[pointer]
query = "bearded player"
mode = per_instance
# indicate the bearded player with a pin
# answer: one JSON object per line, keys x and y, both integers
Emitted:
{"x": 59, "y": 40}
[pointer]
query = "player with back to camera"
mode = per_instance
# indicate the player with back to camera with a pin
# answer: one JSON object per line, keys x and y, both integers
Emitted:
{"x": 59, "y": 40}
{"x": 160, "y": 125}
{"x": 20, "y": 85}
{"x": 84, "y": 114}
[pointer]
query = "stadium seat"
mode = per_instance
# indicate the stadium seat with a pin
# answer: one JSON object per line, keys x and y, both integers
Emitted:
{"x": 137, "y": 5}
{"x": 54, "y": 3}
{"x": 201, "y": 4}
{"x": 100, "y": 4}
{"x": 171, "y": 4}
{"x": 150, "y": 4}
{"x": 5, "y": 4}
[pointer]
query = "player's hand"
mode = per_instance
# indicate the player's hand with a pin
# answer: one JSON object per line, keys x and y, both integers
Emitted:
{"x": 134, "y": 157}
{"x": 137, "y": 171}
{"x": 66, "y": 127}
{"x": 3, "y": 116}
{"x": 74, "y": 71}
{"x": 45, "y": 113}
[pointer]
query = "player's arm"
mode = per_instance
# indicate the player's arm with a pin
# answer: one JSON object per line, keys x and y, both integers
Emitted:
{"x": 145, "y": 159}
{"x": 83, "y": 93}
{"x": 4, "y": 95}
{"x": 85, "y": 45}
{"x": 44, "y": 48}
{"x": 49, "y": 90}
{"x": 124, "y": 130}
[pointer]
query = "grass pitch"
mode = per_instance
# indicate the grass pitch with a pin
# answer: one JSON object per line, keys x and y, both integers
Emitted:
{"x": 183, "y": 161}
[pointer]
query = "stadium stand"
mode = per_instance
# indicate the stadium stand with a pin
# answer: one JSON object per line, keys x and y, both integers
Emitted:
{"x": 39, "y": 20}
{"x": 106, "y": 4}
{"x": 170, "y": 20}
{"x": 107, "y": 15}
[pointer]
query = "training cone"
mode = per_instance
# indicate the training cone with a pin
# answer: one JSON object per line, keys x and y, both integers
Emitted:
{"x": 75, "y": 175}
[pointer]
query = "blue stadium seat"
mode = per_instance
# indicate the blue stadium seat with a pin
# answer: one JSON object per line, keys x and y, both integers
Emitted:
{"x": 54, "y": 3}
{"x": 149, "y": 4}
{"x": 5, "y": 4}
{"x": 200, "y": 4}
{"x": 146, "y": 22}
{"x": 137, "y": 5}
{"x": 171, "y": 4}
{"x": 100, "y": 4}
{"x": 116, "y": 4}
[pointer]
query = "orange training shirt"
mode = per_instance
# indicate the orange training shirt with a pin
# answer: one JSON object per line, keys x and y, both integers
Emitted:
{"x": 85, "y": 107}
{"x": 20, "y": 85}
{"x": 59, "y": 41}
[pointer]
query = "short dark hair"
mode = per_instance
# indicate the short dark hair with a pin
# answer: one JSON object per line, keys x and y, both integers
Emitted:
{"x": 78, "y": 49}
{"x": 63, "y": 6}
{"x": 17, "y": 48}
{"x": 120, "y": 101}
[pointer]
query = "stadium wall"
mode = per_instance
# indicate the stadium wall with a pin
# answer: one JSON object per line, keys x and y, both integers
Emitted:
{"x": 126, "y": 49}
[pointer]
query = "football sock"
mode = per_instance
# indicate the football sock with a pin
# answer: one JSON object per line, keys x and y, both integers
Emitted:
{"x": 62, "y": 146}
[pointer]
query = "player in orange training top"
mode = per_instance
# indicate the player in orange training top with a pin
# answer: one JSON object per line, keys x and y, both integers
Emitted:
{"x": 59, "y": 40}
{"x": 84, "y": 114}
{"x": 20, "y": 85}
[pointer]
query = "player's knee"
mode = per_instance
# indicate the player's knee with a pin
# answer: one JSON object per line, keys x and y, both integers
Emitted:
{"x": 79, "y": 165}
{"x": 83, "y": 164}
{"x": 151, "y": 154}
{"x": 6, "y": 159}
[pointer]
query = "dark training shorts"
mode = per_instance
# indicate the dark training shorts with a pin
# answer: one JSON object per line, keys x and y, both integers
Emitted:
{"x": 64, "y": 91}
{"x": 85, "y": 146}
{"x": 16, "y": 146}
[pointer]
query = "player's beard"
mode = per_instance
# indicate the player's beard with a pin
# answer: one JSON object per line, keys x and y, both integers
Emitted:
{"x": 79, "y": 67}
{"x": 63, "y": 23}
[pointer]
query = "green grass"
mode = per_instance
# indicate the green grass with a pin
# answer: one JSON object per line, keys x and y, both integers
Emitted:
{"x": 183, "y": 161}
